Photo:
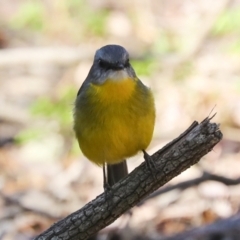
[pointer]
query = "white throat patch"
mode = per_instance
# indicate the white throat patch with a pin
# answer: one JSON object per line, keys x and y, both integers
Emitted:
{"x": 118, "y": 75}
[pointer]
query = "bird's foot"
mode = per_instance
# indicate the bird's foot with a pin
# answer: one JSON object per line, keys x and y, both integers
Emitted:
{"x": 150, "y": 164}
{"x": 106, "y": 187}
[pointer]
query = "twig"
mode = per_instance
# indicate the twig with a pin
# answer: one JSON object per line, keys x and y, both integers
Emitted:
{"x": 197, "y": 141}
{"x": 206, "y": 176}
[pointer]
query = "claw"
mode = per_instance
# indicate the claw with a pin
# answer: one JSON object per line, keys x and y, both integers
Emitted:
{"x": 150, "y": 163}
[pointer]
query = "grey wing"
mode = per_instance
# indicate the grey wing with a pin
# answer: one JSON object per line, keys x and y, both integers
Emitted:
{"x": 81, "y": 89}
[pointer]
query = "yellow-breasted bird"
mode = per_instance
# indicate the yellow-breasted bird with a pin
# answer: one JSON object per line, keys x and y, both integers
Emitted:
{"x": 114, "y": 113}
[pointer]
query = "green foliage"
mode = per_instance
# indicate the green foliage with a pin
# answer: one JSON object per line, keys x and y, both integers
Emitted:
{"x": 236, "y": 85}
{"x": 165, "y": 43}
{"x": 34, "y": 15}
{"x": 93, "y": 20}
{"x": 228, "y": 22}
{"x": 30, "y": 15}
{"x": 96, "y": 22}
{"x": 144, "y": 67}
{"x": 235, "y": 47}
{"x": 58, "y": 109}
{"x": 53, "y": 118}
{"x": 75, "y": 6}
{"x": 30, "y": 134}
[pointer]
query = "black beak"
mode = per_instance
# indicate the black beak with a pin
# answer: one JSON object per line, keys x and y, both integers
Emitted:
{"x": 119, "y": 66}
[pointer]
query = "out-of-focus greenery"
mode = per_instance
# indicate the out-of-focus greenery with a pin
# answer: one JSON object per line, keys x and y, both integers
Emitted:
{"x": 144, "y": 67}
{"x": 93, "y": 21}
{"x": 235, "y": 48}
{"x": 166, "y": 43}
{"x": 228, "y": 22}
{"x": 31, "y": 15}
{"x": 29, "y": 134}
{"x": 37, "y": 16}
{"x": 57, "y": 110}
{"x": 96, "y": 23}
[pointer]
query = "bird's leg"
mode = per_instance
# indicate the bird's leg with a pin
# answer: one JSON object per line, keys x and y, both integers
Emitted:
{"x": 106, "y": 185}
{"x": 150, "y": 163}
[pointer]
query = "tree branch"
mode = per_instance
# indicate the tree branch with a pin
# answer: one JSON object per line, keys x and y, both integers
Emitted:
{"x": 170, "y": 161}
{"x": 206, "y": 176}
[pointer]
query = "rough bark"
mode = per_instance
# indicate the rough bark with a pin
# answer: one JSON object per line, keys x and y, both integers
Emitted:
{"x": 170, "y": 161}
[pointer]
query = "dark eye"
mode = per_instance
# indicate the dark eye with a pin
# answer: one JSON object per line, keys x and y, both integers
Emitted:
{"x": 127, "y": 64}
{"x": 103, "y": 64}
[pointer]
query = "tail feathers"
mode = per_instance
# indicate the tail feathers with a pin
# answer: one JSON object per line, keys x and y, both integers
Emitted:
{"x": 115, "y": 172}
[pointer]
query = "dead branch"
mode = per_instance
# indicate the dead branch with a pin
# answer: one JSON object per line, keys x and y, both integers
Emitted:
{"x": 170, "y": 161}
{"x": 206, "y": 176}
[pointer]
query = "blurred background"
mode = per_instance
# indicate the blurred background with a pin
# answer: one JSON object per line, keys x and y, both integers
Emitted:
{"x": 187, "y": 51}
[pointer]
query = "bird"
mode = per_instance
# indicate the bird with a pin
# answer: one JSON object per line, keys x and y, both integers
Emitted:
{"x": 114, "y": 114}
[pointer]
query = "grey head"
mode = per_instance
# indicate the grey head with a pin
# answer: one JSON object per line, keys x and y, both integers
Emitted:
{"x": 110, "y": 62}
{"x": 112, "y": 57}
